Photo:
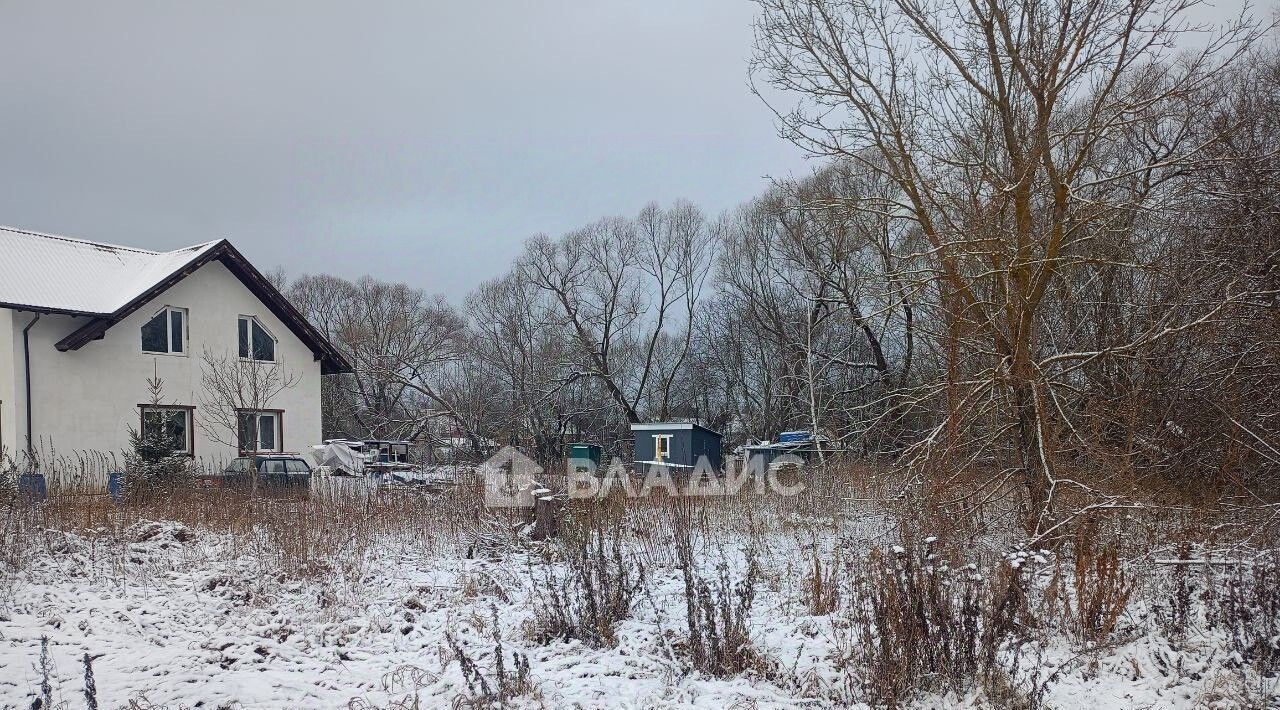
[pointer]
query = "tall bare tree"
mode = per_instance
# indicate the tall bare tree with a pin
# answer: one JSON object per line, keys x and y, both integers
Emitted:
{"x": 1028, "y": 143}
{"x": 820, "y": 281}
{"x": 398, "y": 339}
{"x": 627, "y": 291}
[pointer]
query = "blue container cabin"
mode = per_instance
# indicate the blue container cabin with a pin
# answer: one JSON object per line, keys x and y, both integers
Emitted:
{"x": 764, "y": 456}
{"x": 676, "y": 445}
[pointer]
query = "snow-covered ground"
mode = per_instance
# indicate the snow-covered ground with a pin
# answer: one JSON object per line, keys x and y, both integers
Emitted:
{"x": 180, "y": 618}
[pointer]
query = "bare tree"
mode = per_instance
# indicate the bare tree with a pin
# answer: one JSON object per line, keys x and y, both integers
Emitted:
{"x": 627, "y": 291}
{"x": 398, "y": 339}
{"x": 819, "y": 281}
{"x": 519, "y": 346}
{"x": 232, "y": 391}
{"x": 1027, "y": 144}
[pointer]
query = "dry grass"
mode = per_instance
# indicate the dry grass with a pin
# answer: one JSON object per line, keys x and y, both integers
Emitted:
{"x": 499, "y": 688}
{"x": 300, "y": 533}
{"x": 925, "y": 623}
{"x": 959, "y": 609}
{"x": 592, "y": 589}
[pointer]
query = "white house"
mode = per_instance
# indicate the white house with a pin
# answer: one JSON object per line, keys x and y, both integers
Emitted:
{"x": 83, "y": 326}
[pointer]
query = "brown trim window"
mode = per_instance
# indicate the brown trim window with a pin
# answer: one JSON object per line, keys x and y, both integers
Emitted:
{"x": 260, "y": 430}
{"x": 173, "y": 421}
{"x": 255, "y": 342}
{"x": 166, "y": 332}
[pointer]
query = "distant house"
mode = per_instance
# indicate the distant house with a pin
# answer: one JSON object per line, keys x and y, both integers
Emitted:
{"x": 83, "y": 325}
{"x": 675, "y": 445}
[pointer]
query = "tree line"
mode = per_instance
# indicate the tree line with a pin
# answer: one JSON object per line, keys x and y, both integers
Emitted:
{"x": 1041, "y": 250}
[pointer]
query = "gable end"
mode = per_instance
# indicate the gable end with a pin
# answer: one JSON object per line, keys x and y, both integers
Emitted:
{"x": 331, "y": 361}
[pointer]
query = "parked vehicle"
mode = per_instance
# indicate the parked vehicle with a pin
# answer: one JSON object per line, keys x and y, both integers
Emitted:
{"x": 276, "y": 470}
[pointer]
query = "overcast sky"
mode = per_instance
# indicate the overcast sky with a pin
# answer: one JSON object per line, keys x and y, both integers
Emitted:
{"x": 421, "y": 142}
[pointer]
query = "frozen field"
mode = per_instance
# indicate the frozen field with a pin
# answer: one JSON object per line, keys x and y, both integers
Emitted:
{"x": 176, "y": 616}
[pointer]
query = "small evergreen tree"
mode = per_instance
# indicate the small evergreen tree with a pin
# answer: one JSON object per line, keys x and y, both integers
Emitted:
{"x": 153, "y": 455}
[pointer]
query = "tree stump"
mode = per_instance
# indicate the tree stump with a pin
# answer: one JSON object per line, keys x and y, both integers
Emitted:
{"x": 547, "y": 510}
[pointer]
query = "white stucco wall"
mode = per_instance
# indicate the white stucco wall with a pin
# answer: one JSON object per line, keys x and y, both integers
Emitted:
{"x": 86, "y": 399}
{"x": 8, "y": 405}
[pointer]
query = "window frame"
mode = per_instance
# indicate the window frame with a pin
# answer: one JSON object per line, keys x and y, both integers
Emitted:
{"x": 256, "y": 413}
{"x": 251, "y": 320}
{"x": 190, "y": 411}
{"x": 662, "y": 447}
{"x": 185, "y": 340}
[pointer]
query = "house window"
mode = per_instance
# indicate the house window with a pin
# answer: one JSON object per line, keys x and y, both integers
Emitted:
{"x": 173, "y": 423}
{"x": 661, "y": 447}
{"x": 255, "y": 342}
{"x": 166, "y": 332}
{"x": 260, "y": 430}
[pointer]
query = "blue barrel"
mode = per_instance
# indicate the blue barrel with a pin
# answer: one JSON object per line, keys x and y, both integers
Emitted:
{"x": 115, "y": 485}
{"x": 32, "y": 488}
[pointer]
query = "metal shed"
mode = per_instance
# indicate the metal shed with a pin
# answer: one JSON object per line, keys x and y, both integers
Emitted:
{"x": 584, "y": 456}
{"x": 676, "y": 445}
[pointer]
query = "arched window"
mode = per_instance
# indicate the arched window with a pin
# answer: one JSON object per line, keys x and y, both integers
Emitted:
{"x": 166, "y": 332}
{"x": 256, "y": 342}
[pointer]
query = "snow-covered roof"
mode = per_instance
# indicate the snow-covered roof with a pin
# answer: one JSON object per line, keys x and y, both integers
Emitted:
{"x": 49, "y": 272}
{"x": 107, "y": 282}
{"x": 680, "y": 424}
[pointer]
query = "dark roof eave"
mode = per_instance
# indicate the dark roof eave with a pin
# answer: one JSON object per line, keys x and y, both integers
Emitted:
{"x": 329, "y": 367}
{"x": 332, "y": 361}
{"x": 49, "y": 310}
